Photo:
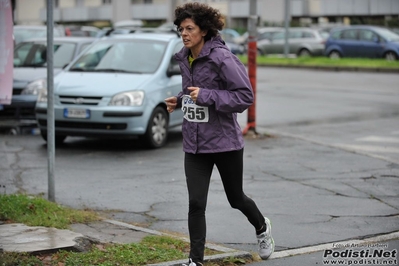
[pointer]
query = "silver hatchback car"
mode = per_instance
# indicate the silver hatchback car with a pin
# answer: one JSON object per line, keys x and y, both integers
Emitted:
{"x": 301, "y": 42}
{"x": 116, "y": 88}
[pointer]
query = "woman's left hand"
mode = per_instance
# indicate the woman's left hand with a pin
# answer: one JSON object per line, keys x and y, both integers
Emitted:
{"x": 194, "y": 93}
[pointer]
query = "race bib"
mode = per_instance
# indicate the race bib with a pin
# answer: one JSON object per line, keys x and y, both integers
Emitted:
{"x": 193, "y": 112}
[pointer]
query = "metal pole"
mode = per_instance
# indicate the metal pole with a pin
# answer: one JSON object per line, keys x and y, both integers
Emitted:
{"x": 50, "y": 101}
{"x": 286, "y": 25}
{"x": 172, "y": 6}
{"x": 252, "y": 53}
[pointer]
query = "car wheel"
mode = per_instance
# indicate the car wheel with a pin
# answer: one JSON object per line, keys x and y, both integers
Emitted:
{"x": 334, "y": 55}
{"x": 157, "y": 129}
{"x": 390, "y": 56}
{"x": 59, "y": 139}
{"x": 304, "y": 53}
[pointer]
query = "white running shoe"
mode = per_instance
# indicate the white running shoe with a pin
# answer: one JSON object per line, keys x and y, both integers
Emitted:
{"x": 266, "y": 241}
{"x": 191, "y": 263}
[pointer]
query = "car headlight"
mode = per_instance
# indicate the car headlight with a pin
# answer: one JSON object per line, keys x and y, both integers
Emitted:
{"x": 129, "y": 98}
{"x": 34, "y": 87}
{"x": 43, "y": 93}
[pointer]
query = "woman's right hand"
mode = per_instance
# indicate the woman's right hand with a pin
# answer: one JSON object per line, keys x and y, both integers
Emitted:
{"x": 171, "y": 103}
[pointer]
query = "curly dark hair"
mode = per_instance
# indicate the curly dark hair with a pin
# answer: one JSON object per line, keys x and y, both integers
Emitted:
{"x": 206, "y": 17}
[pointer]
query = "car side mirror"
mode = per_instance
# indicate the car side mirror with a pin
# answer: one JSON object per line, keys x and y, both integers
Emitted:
{"x": 173, "y": 68}
{"x": 376, "y": 39}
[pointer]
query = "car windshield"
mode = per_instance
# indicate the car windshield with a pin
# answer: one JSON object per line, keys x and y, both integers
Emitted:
{"x": 388, "y": 35}
{"x": 32, "y": 54}
{"x": 133, "y": 56}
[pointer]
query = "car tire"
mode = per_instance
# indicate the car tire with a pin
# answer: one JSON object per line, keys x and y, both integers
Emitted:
{"x": 59, "y": 139}
{"x": 391, "y": 56}
{"x": 157, "y": 129}
{"x": 304, "y": 53}
{"x": 334, "y": 55}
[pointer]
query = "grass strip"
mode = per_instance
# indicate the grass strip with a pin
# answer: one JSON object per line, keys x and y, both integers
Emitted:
{"x": 358, "y": 63}
{"x": 152, "y": 249}
{"x": 37, "y": 211}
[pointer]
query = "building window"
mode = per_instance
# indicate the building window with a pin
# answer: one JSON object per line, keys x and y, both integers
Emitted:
{"x": 107, "y": 2}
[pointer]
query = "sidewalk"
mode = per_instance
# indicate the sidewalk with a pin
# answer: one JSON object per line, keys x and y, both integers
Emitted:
{"x": 37, "y": 239}
{"x": 21, "y": 238}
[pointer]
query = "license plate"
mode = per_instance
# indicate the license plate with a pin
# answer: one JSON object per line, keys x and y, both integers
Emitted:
{"x": 76, "y": 113}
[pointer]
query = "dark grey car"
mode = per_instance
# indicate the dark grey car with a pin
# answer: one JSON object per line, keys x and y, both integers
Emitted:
{"x": 30, "y": 66}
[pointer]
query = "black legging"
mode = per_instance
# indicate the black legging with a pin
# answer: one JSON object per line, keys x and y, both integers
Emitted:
{"x": 198, "y": 169}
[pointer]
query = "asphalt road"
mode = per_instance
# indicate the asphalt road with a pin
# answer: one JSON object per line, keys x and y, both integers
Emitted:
{"x": 328, "y": 173}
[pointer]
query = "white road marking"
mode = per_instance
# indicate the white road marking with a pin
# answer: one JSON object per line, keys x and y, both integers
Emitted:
{"x": 334, "y": 245}
{"x": 367, "y": 148}
{"x": 349, "y": 148}
{"x": 379, "y": 139}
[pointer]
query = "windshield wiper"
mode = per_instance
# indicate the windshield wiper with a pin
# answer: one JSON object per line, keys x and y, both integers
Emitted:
{"x": 79, "y": 69}
{"x": 34, "y": 65}
{"x": 115, "y": 70}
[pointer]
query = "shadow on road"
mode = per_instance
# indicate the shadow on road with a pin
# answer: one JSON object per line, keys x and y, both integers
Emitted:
{"x": 112, "y": 144}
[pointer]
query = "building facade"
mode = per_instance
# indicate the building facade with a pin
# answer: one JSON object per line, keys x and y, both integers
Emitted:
{"x": 236, "y": 12}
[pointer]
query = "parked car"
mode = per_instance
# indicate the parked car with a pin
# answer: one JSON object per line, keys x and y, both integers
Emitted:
{"x": 30, "y": 67}
{"x": 116, "y": 88}
{"x": 263, "y": 33}
{"x": 81, "y": 31}
{"x": 363, "y": 41}
{"x": 26, "y": 32}
{"x": 235, "y": 48}
{"x": 230, "y": 35}
{"x": 301, "y": 42}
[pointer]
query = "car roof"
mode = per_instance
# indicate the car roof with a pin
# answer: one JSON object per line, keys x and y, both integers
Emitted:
{"x": 301, "y": 29}
{"x": 154, "y": 36}
{"x": 357, "y": 27}
{"x": 39, "y": 27}
{"x": 30, "y": 26}
{"x": 264, "y": 29}
{"x": 63, "y": 39}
